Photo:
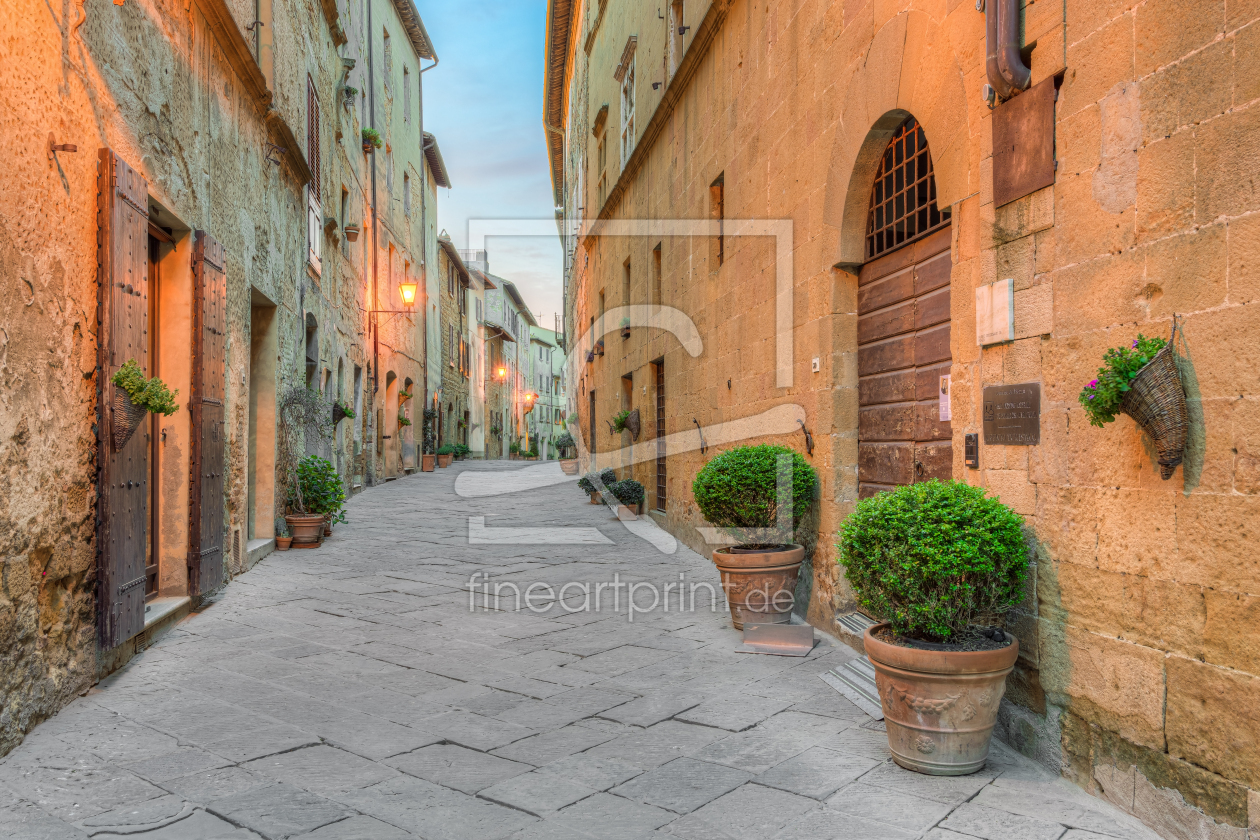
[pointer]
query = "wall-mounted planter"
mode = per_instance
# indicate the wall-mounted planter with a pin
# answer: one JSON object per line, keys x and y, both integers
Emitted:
{"x": 352, "y": 233}
{"x": 1156, "y": 400}
{"x": 127, "y": 417}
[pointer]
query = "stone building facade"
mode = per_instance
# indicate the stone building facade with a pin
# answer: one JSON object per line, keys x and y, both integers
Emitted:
{"x": 454, "y": 409}
{"x": 722, "y": 158}
{"x": 201, "y": 202}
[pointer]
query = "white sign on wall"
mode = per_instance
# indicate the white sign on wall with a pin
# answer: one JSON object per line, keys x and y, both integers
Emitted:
{"x": 995, "y": 312}
{"x": 944, "y": 412}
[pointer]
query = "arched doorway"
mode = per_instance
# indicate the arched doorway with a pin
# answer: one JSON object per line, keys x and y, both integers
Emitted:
{"x": 903, "y": 322}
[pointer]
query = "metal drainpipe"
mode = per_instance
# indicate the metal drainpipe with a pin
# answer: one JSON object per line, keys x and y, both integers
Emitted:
{"x": 1005, "y": 66}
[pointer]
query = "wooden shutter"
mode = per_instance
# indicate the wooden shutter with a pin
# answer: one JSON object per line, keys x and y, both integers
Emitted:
{"x": 205, "y": 498}
{"x": 122, "y": 248}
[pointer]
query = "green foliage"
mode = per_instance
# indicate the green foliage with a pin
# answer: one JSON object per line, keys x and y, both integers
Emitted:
{"x": 403, "y": 421}
{"x": 932, "y": 558}
{"x": 737, "y": 489}
{"x": 606, "y": 476}
{"x": 320, "y": 488}
{"x": 619, "y": 421}
{"x": 446, "y": 449}
{"x": 150, "y": 394}
{"x": 1101, "y": 397}
{"x": 514, "y": 447}
{"x": 564, "y": 442}
{"x": 429, "y": 438}
{"x": 625, "y": 322}
{"x": 351, "y": 91}
{"x": 373, "y": 137}
{"x": 628, "y": 492}
{"x": 346, "y": 410}
{"x": 404, "y": 395}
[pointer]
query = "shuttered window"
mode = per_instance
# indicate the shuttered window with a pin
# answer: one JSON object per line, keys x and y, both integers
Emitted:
{"x": 207, "y": 432}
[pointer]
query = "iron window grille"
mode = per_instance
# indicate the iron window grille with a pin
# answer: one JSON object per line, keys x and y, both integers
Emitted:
{"x": 903, "y": 199}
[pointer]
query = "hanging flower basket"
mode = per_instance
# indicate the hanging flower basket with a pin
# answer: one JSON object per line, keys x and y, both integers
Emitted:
{"x": 1156, "y": 400}
{"x": 127, "y": 418}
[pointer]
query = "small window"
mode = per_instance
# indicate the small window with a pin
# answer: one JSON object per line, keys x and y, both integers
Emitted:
{"x": 407, "y": 194}
{"x": 675, "y": 36}
{"x": 656, "y": 276}
{"x": 406, "y": 95}
{"x": 389, "y": 169}
{"x": 627, "y": 113}
{"x": 312, "y": 135}
{"x": 717, "y": 211}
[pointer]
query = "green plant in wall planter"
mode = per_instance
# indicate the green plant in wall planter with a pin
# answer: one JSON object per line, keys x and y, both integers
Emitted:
{"x": 404, "y": 395}
{"x": 625, "y": 327}
{"x": 939, "y": 562}
{"x": 403, "y": 421}
{"x": 1142, "y": 381}
{"x": 618, "y": 422}
{"x": 135, "y": 396}
{"x": 371, "y": 139}
{"x": 341, "y": 411}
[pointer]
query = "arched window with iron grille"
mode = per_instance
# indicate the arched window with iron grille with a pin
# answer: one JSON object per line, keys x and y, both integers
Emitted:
{"x": 903, "y": 198}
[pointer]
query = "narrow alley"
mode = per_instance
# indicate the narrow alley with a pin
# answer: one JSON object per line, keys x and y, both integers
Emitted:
{"x": 349, "y": 692}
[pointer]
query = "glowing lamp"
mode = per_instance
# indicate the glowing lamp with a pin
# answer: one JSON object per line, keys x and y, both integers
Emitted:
{"x": 501, "y": 373}
{"x": 407, "y": 289}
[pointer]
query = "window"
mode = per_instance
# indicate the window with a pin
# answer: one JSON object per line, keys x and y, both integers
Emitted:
{"x": 314, "y": 213}
{"x": 625, "y": 284}
{"x": 656, "y": 276}
{"x": 478, "y": 310}
{"x": 407, "y": 194}
{"x": 453, "y": 347}
{"x": 627, "y": 113}
{"x": 406, "y": 95}
{"x": 450, "y": 278}
{"x": 903, "y": 199}
{"x": 603, "y": 168}
{"x": 389, "y": 59}
{"x": 675, "y": 36}
{"x": 717, "y": 200}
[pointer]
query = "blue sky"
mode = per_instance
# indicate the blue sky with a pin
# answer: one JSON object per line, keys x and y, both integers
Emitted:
{"x": 483, "y": 102}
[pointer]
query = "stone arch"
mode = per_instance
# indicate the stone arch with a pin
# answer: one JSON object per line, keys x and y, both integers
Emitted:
{"x": 909, "y": 69}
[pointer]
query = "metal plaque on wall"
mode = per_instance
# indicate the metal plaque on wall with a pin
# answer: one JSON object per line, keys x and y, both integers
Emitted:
{"x": 1012, "y": 414}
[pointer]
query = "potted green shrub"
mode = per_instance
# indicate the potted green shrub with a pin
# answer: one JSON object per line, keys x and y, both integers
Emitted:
{"x": 1142, "y": 381}
{"x": 283, "y": 540}
{"x": 461, "y": 451}
{"x": 514, "y": 450}
{"x": 371, "y": 140}
{"x": 134, "y": 397}
{"x": 428, "y": 441}
{"x": 566, "y": 447}
{"x": 317, "y": 499}
{"x": 444, "y": 455}
{"x": 341, "y": 411}
{"x": 738, "y": 493}
{"x": 593, "y": 484}
{"x": 625, "y": 328}
{"x": 940, "y": 562}
{"x": 629, "y": 495}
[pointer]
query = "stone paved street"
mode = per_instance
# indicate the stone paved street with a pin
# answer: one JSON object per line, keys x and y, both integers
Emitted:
{"x": 348, "y": 692}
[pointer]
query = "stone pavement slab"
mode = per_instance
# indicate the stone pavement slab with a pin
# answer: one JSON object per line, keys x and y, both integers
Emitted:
{"x": 349, "y": 693}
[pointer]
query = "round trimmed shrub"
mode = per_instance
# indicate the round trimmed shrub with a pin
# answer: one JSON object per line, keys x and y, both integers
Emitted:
{"x": 629, "y": 492}
{"x": 932, "y": 558}
{"x": 607, "y": 476}
{"x": 737, "y": 489}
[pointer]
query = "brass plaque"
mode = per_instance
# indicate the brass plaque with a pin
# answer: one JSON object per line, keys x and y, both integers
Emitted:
{"x": 1012, "y": 414}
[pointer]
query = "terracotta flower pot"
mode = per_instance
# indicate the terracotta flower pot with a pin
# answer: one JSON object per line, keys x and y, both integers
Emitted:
{"x": 427, "y": 462}
{"x": 282, "y": 543}
{"x": 595, "y": 500}
{"x": 939, "y": 705}
{"x": 759, "y": 583}
{"x": 624, "y": 512}
{"x": 327, "y": 525}
{"x": 569, "y": 466}
{"x": 306, "y": 528}
{"x": 444, "y": 461}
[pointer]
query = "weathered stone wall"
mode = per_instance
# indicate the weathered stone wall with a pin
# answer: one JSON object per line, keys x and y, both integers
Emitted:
{"x": 454, "y": 383}
{"x": 1139, "y": 634}
{"x": 154, "y": 82}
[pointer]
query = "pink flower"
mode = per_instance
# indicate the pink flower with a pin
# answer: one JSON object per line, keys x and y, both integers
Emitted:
{"x": 1093, "y": 383}
{"x": 1135, "y": 344}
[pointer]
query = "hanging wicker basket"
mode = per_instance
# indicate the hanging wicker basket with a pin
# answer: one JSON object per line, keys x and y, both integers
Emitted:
{"x": 1156, "y": 400}
{"x": 127, "y": 417}
{"x": 632, "y": 424}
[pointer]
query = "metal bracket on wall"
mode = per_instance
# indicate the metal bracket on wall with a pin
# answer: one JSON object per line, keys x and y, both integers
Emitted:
{"x": 704, "y": 447}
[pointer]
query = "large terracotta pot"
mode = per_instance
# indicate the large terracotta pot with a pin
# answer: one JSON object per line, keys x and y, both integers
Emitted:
{"x": 939, "y": 705}
{"x": 306, "y": 528}
{"x": 569, "y": 466}
{"x": 595, "y": 499}
{"x": 426, "y": 463}
{"x": 759, "y": 584}
{"x": 444, "y": 461}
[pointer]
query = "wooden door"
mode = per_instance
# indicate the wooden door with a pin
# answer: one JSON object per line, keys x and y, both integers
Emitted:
{"x": 205, "y": 499}
{"x": 660, "y": 434}
{"x": 122, "y": 473}
{"x": 903, "y": 350}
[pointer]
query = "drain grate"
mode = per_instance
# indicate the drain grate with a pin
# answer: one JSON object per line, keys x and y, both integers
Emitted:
{"x": 855, "y": 679}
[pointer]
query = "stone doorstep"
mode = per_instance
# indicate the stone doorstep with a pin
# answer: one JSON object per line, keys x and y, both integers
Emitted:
{"x": 256, "y": 550}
